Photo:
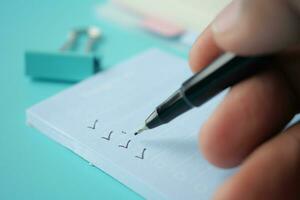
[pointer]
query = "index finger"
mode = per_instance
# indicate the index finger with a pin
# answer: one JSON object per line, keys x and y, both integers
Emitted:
{"x": 204, "y": 51}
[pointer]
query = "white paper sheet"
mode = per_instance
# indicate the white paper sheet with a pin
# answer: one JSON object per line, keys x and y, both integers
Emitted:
{"x": 117, "y": 101}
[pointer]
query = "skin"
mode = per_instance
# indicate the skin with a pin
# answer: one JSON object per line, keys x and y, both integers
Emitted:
{"x": 247, "y": 129}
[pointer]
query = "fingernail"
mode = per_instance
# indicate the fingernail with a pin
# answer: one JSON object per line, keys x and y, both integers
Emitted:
{"x": 227, "y": 19}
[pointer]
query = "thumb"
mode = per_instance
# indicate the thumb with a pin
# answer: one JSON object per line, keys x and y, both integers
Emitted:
{"x": 248, "y": 27}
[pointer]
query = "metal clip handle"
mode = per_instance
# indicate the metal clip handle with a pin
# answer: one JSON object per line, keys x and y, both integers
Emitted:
{"x": 93, "y": 34}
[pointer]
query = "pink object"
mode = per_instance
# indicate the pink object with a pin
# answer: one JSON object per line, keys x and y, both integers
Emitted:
{"x": 161, "y": 27}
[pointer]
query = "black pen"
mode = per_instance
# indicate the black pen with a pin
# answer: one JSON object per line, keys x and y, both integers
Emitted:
{"x": 222, "y": 73}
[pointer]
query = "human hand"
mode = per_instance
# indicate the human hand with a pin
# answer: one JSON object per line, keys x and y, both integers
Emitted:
{"x": 245, "y": 127}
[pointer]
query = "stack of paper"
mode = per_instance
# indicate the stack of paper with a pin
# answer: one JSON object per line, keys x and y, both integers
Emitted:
{"x": 98, "y": 117}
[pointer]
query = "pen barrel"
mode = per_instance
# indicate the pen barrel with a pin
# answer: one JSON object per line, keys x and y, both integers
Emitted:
{"x": 226, "y": 71}
{"x": 213, "y": 79}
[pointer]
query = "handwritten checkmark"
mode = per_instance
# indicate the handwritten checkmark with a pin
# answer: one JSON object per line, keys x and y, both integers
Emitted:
{"x": 142, "y": 155}
{"x": 126, "y": 146}
{"x": 94, "y": 125}
{"x": 109, "y": 135}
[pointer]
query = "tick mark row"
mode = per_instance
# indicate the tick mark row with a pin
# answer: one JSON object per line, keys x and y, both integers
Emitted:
{"x": 93, "y": 127}
{"x": 141, "y": 156}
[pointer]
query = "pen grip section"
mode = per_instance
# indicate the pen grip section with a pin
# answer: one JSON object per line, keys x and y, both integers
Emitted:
{"x": 173, "y": 107}
{"x": 218, "y": 76}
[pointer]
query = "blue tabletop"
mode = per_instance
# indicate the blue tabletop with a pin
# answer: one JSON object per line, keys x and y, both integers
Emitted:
{"x": 33, "y": 166}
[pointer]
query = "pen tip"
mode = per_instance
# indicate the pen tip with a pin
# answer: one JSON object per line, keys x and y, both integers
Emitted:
{"x": 141, "y": 130}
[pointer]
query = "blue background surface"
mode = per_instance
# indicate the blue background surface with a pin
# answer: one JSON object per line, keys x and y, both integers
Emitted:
{"x": 31, "y": 165}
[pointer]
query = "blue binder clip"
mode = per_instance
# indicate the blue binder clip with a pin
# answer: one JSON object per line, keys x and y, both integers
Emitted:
{"x": 65, "y": 65}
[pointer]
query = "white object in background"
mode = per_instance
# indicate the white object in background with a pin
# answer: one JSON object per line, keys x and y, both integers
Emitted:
{"x": 192, "y": 15}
